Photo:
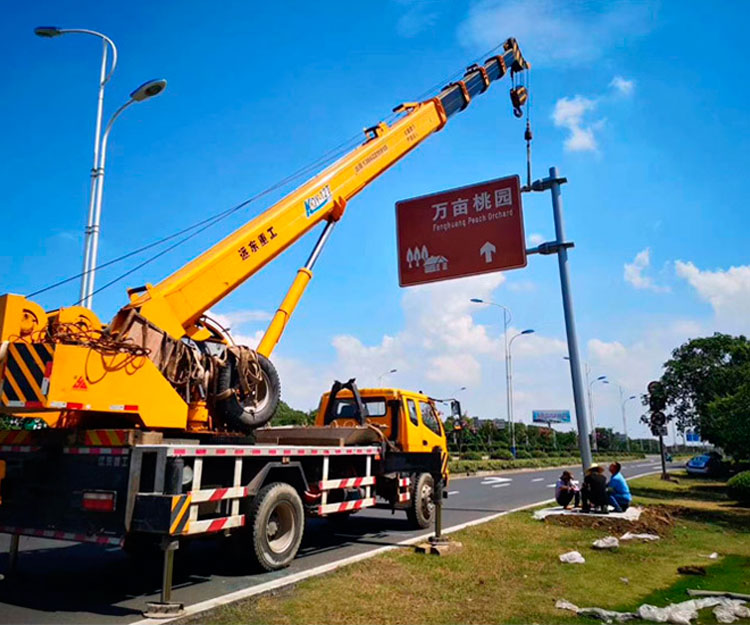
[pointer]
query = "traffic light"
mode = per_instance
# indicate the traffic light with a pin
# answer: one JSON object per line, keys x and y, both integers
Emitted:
{"x": 657, "y": 397}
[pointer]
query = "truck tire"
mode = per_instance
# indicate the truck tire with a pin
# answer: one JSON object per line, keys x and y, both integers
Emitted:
{"x": 421, "y": 510}
{"x": 276, "y": 524}
{"x": 253, "y": 412}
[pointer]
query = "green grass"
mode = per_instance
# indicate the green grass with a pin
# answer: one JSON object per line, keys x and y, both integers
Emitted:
{"x": 458, "y": 467}
{"x": 508, "y": 572}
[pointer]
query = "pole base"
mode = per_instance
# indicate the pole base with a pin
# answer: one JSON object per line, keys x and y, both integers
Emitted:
{"x": 438, "y": 547}
{"x": 157, "y": 609}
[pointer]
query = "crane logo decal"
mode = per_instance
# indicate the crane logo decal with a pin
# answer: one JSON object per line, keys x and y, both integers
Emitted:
{"x": 319, "y": 200}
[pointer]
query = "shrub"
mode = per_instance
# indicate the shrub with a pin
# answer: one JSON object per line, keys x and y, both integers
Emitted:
{"x": 523, "y": 454}
{"x": 501, "y": 454}
{"x": 739, "y": 487}
{"x": 538, "y": 453}
{"x": 471, "y": 455}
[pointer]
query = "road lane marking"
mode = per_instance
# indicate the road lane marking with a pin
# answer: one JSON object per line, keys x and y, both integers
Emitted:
{"x": 495, "y": 480}
{"x": 649, "y": 464}
{"x": 538, "y": 479}
{"x": 551, "y": 485}
{"x": 295, "y": 578}
{"x": 453, "y": 492}
{"x": 499, "y": 485}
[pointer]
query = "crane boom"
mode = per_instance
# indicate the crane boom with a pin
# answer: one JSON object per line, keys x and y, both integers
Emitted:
{"x": 178, "y": 302}
{"x": 68, "y": 367}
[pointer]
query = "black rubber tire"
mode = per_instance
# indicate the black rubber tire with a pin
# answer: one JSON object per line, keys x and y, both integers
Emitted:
{"x": 245, "y": 418}
{"x": 277, "y": 507}
{"x": 421, "y": 510}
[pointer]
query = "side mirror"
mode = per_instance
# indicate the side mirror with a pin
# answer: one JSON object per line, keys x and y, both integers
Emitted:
{"x": 455, "y": 408}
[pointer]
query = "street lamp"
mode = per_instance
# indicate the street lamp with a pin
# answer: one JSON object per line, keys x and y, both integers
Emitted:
{"x": 49, "y": 32}
{"x": 144, "y": 92}
{"x": 510, "y": 391}
{"x": 603, "y": 380}
{"x": 506, "y": 323}
{"x": 385, "y": 373}
{"x": 624, "y": 421}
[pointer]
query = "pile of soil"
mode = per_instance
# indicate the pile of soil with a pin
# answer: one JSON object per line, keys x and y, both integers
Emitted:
{"x": 654, "y": 520}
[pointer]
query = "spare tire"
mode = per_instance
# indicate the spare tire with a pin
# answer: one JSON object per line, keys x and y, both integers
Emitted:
{"x": 245, "y": 414}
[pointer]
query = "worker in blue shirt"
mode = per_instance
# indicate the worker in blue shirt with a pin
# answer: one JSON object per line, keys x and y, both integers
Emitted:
{"x": 617, "y": 489}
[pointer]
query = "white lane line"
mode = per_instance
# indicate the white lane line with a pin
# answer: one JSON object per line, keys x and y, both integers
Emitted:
{"x": 295, "y": 578}
{"x": 453, "y": 492}
{"x": 649, "y": 464}
{"x": 499, "y": 485}
{"x": 538, "y": 479}
{"x": 495, "y": 480}
{"x": 551, "y": 485}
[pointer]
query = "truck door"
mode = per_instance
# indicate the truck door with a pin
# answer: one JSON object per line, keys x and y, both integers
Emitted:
{"x": 432, "y": 430}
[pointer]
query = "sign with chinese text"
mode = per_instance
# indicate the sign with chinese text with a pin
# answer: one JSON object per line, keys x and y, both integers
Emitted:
{"x": 550, "y": 416}
{"x": 461, "y": 232}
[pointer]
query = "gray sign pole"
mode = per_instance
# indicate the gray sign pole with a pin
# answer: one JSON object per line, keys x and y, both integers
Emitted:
{"x": 560, "y": 246}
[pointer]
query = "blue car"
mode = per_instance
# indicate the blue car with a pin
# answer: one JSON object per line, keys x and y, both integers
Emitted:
{"x": 705, "y": 464}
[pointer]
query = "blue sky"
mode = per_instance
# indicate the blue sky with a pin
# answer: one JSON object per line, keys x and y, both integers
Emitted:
{"x": 641, "y": 105}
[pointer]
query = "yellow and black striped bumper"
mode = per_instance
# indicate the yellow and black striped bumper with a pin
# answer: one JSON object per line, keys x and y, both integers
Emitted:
{"x": 25, "y": 378}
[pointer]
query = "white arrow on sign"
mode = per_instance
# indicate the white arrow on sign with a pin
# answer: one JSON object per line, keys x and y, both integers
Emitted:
{"x": 487, "y": 250}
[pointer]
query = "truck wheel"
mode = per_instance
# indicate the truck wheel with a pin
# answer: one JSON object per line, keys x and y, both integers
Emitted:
{"x": 421, "y": 511}
{"x": 248, "y": 413}
{"x": 277, "y": 521}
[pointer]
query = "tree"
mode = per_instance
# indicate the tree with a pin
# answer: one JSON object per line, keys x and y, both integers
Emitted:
{"x": 285, "y": 415}
{"x": 706, "y": 382}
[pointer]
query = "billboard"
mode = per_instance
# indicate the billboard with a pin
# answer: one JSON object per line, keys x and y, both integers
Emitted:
{"x": 550, "y": 416}
{"x": 461, "y": 232}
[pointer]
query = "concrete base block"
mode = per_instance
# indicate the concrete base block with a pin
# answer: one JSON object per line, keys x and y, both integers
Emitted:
{"x": 439, "y": 548}
{"x": 157, "y": 609}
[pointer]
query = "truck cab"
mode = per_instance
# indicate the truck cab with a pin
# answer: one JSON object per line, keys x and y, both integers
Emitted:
{"x": 407, "y": 419}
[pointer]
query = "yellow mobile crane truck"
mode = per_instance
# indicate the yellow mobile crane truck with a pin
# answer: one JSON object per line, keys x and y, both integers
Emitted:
{"x": 150, "y": 417}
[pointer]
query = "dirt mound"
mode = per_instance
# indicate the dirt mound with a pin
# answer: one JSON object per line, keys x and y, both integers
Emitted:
{"x": 655, "y": 520}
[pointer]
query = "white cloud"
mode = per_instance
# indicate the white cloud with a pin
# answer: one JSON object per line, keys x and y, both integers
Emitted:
{"x": 634, "y": 273}
{"x": 535, "y": 239}
{"x": 553, "y": 33}
{"x": 622, "y": 86}
{"x": 728, "y": 292}
{"x": 569, "y": 114}
{"x": 420, "y": 15}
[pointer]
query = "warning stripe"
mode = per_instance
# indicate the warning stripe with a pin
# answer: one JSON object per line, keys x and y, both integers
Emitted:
{"x": 14, "y": 437}
{"x": 348, "y": 482}
{"x": 218, "y": 494}
{"x": 180, "y": 518}
{"x": 97, "y": 451}
{"x": 266, "y": 450}
{"x": 346, "y": 506}
{"x": 25, "y": 374}
{"x": 107, "y": 438}
{"x": 216, "y": 525}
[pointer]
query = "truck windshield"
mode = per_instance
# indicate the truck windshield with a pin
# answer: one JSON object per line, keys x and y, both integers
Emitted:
{"x": 347, "y": 409}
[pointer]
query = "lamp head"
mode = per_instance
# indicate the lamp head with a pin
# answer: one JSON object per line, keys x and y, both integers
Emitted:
{"x": 529, "y": 331}
{"x": 47, "y": 31}
{"x": 602, "y": 377}
{"x": 393, "y": 371}
{"x": 149, "y": 89}
{"x": 631, "y": 397}
{"x": 476, "y": 300}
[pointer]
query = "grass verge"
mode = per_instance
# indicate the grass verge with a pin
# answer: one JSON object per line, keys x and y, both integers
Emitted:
{"x": 467, "y": 467}
{"x": 508, "y": 570}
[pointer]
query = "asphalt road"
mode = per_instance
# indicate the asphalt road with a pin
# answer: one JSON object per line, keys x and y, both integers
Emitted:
{"x": 63, "y": 582}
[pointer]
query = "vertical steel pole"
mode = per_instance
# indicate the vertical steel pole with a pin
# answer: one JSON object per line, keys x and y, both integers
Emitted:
{"x": 13, "y": 553}
{"x": 94, "y": 177}
{"x": 570, "y": 324}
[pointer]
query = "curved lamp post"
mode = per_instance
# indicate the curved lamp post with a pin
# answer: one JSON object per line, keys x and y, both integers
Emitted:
{"x": 603, "y": 379}
{"x": 624, "y": 420}
{"x": 49, "y": 32}
{"x": 146, "y": 91}
{"x": 506, "y": 323}
{"x": 385, "y": 373}
{"x": 510, "y": 389}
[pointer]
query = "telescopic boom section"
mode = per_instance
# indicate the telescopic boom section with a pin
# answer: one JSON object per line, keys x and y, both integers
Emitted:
{"x": 177, "y": 303}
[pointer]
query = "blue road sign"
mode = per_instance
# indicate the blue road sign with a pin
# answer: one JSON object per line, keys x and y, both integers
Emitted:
{"x": 550, "y": 416}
